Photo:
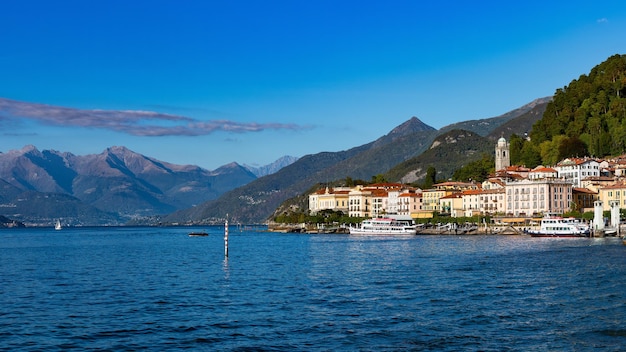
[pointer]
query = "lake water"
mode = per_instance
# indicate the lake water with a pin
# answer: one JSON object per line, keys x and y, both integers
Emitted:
{"x": 158, "y": 289}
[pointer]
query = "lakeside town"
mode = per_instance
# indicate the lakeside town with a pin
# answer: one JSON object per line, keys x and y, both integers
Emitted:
{"x": 515, "y": 198}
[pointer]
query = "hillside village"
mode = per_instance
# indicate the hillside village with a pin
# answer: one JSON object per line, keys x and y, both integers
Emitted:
{"x": 512, "y": 194}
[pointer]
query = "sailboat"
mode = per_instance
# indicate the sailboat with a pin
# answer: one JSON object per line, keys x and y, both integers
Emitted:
{"x": 57, "y": 226}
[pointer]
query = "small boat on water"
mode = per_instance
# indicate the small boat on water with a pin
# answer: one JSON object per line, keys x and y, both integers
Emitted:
{"x": 556, "y": 226}
{"x": 384, "y": 226}
{"x": 198, "y": 234}
{"x": 57, "y": 225}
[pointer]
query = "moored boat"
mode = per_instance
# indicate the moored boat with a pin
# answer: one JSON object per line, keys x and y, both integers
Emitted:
{"x": 384, "y": 226}
{"x": 555, "y": 226}
{"x": 198, "y": 234}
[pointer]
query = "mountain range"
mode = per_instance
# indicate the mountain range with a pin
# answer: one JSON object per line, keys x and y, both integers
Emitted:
{"x": 399, "y": 154}
{"x": 120, "y": 186}
{"x": 113, "y": 187}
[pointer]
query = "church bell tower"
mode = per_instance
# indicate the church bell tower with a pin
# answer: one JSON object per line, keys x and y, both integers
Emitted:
{"x": 503, "y": 159}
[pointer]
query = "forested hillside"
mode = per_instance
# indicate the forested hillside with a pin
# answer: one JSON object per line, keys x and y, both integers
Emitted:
{"x": 587, "y": 117}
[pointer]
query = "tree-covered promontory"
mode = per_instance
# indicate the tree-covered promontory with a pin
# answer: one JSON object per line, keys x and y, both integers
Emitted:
{"x": 586, "y": 117}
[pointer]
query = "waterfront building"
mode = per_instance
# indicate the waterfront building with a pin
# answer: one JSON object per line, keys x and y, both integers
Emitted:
{"x": 367, "y": 201}
{"x": 430, "y": 197}
{"x": 451, "y": 205}
{"x": 612, "y": 193}
{"x": 503, "y": 158}
{"x": 379, "y": 199}
{"x": 392, "y": 200}
{"x": 360, "y": 202}
{"x": 409, "y": 203}
{"x": 483, "y": 202}
{"x": 534, "y": 197}
{"x": 574, "y": 170}
{"x": 328, "y": 198}
{"x": 584, "y": 198}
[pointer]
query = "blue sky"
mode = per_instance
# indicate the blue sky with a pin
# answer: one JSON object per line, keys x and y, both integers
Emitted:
{"x": 211, "y": 82}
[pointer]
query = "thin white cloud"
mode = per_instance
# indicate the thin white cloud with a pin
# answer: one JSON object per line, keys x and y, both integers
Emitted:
{"x": 133, "y": 122}
{"x": 602, "y": 20}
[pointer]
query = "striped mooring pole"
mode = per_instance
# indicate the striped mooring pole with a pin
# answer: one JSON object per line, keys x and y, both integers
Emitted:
{"x": 226, "y": 238}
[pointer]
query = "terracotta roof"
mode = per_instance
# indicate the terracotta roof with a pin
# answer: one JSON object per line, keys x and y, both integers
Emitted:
{"x": 379, "y": 193}
{"x": 599, "y": 178}
{"x": 412, "y": 195}
{"x": 614, "y": 186}
{"x": 386, "y": 185}
{"x": 452, "y": 196}
{"x": 454, "y": 183}
{"x": 483, "y": 191}
{"x": 544, "y": 169}
{"x": 517, "y": 168}
{"x": 583, "y": 190}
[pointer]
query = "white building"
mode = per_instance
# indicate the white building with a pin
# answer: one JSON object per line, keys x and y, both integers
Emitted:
{"x": 360, "y": 202}
{"x": 541, "y": 172}
{"x": 574, "y": 170}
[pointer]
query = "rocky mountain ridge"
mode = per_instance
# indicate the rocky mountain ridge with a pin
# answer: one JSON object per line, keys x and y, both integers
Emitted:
{"x": 114, "y": 186}
{"x": 260, "y": 171}
{"x": 256, "y": 201}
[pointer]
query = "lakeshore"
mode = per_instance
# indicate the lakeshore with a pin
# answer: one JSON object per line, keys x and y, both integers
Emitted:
{"x": 441, "y": 229}
{"x": 445, "y": 229}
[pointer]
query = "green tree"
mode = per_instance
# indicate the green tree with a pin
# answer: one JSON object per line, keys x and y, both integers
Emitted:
{"x": 431, "y": 177}
{"x": 592, "y": 109}
{"x": 572, "y": 147}
{"x": 380, "y": 178}
{"x": 478, "y": 170}
{"x": 516, "y": 144}
{"x": 530, "y": 155}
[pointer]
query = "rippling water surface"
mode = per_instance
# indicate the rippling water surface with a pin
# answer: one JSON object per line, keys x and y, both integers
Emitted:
{"x": 158, "y": 289}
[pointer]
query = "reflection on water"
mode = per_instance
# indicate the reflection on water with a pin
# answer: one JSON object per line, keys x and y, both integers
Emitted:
{"x": 147, "y": 288}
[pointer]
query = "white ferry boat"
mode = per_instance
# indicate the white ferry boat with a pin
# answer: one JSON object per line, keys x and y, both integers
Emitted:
{"x": 554, "y": 226}
{"x": 384, "y": 226}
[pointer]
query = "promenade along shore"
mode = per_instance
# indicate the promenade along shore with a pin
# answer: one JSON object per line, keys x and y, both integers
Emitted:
{"x": 441, "y": 229}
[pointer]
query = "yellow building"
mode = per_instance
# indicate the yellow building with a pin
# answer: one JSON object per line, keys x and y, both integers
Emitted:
{"x": 335, "y": 199}
{"x": 431, "y": 197}
{"x": 615, "y": 192}
{"x": 452, "y": 204}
